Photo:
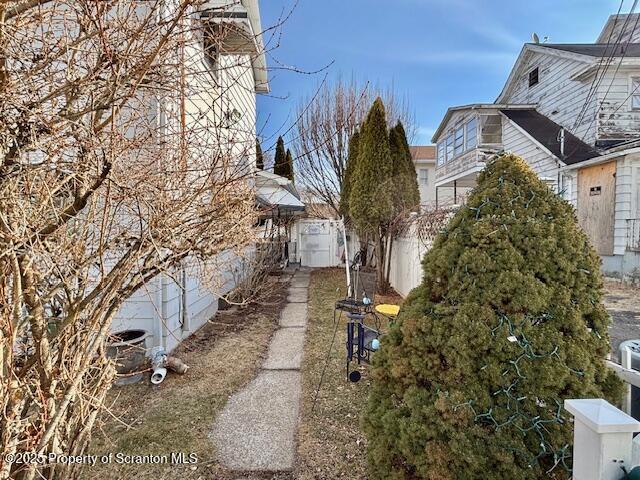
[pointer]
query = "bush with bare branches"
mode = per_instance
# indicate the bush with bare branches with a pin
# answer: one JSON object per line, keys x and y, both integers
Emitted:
{"x": 117, "y": 162}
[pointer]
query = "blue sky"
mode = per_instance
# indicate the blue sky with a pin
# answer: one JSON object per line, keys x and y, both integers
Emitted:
{"x": 437, "y": 53}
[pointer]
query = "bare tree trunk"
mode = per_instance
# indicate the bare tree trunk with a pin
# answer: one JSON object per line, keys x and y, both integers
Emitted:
{"x": 389, "y": 244}
{"x": 383, "y": 287}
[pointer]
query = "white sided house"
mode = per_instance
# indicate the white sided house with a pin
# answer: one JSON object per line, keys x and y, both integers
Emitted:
{"x": 572, "y": 111}
{"x": 424, "y": 160}
{"x": 218, "y": 97}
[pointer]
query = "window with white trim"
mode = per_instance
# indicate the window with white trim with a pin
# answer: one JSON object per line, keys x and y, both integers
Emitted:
{"x": 423, "y": 176}
{"x": 635, "y": 93}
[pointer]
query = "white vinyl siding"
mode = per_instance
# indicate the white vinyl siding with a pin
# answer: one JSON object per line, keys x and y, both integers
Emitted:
{"x": 635, "y": 93}
{"x": 545, "y": 165}
{"x": 627, "y": 194}
{"x": 617, "y": 119}
{"x": 557, "y": 96}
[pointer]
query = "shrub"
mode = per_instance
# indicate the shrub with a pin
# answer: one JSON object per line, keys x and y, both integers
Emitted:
{"x": 507, "y": 323}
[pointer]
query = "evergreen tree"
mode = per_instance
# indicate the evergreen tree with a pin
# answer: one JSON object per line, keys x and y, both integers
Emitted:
{"x": 370, "y": 199}
{"x": 508, "y": 322}
{"x": 406, "y": 194}
{"x": 288, "y": 166}
{"x": 259, "y": 156}
{"x": 352, "y": 159}
{"x": 280, "y": 160}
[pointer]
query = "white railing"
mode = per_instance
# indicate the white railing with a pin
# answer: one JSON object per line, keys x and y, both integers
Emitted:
{"x": 602, "y": 440}
{"x": 603, "y": 444}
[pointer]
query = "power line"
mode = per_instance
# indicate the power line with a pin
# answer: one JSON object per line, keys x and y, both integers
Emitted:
{"x": 596, "y": 81}
{"x": 624, "y": 53}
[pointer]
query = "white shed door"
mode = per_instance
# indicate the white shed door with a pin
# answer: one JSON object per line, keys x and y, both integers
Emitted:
{"x": 315, "y": 244}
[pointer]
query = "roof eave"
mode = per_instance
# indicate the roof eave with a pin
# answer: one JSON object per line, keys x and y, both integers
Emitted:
{"x": 259, "y": 62}
{"x": 601, "y": 159}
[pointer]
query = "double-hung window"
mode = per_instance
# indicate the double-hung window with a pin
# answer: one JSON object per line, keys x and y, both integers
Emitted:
{"x": 449, "y": 141}
{"x": 424, "y": 176}
{"x": 472, "y": 134}
{"x": 459, "y": 141}
{"x": 441, "y": 153}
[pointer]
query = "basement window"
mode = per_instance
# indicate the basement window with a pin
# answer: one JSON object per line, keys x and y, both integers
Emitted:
{"x": 534, "y": 77}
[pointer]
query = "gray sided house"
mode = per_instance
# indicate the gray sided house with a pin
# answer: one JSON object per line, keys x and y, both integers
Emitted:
{"x": 572, "y": 111}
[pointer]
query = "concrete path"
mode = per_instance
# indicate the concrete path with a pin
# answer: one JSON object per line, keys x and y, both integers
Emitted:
{"x": 256, "y": 430}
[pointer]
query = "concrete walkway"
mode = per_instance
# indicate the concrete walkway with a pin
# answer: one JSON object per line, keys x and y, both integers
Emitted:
{"x": 256, "y": 430}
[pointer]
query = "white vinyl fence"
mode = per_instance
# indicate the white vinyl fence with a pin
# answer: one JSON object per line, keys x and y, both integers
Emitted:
{"x": 406, "y": 263}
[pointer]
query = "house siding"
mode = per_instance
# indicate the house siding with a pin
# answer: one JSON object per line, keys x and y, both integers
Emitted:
{"x": 557, "y": 96}
{"x": 626, "y": 193}
{"x": 158, "y": 306}
{"x": 544, "y": 164}
{"x": 616, "y": 120}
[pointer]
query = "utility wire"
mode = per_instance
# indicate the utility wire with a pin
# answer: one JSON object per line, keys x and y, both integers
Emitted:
{"x": 624, "y": 53}
{"x": 596, "y": 79}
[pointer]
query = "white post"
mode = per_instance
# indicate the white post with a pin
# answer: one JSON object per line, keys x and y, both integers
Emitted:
{"x": 602, "y": 439}
{"x": 346, "y": 260}
{"x": 625, "y": 361}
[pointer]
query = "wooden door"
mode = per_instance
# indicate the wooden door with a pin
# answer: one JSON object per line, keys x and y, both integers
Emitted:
{"x": 596, "y": 204}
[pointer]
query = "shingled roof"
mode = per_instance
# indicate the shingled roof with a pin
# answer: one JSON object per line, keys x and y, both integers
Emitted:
{"x": 545, "y": 131}
{"x": 423, "y": 152}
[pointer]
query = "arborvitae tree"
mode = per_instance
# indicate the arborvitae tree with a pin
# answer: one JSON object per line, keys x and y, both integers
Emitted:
{"x": 370, "y": 200}
{"x": 259, "y": 156}
{"x": 348, "y": 174}
{"x": 280, "y": 160}
{"x": 406, "y": 194}
{"x": 508, "y": 323}
{"x": 288, "y": 166}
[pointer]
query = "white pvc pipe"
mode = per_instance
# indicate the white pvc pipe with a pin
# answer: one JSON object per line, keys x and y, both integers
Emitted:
{"x": 158, "y": 375}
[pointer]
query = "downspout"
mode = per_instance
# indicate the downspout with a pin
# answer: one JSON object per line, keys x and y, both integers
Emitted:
{"x": 164, "y": 333}
{"x": 562, "y": 157}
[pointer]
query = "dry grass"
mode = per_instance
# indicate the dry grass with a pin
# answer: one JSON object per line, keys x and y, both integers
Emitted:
{"x": 330, "y": 442}
{"x": 178, "y": 415}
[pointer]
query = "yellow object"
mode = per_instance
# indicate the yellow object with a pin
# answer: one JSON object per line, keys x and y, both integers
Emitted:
{"x": 388, "y": 310}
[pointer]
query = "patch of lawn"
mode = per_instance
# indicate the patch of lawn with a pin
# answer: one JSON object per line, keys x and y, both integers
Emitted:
{"x": 330, "y": 442}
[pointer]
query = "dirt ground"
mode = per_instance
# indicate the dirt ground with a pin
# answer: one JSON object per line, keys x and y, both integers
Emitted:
{"x": 623, "y": 303}
{"x": 330, "y": 442}
{"x": 226, "y": 354}
{"x": 177, "y": 416}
